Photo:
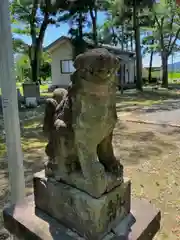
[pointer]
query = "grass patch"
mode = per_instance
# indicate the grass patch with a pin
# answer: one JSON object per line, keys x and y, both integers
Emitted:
{"x": 148, "y": 97}
{"x": 157, "y": 74}
{"x": 143, "y": 103}
{"x": 173, "y": 75}
{"x": 32, "y": 124}
{"x": 33, "y": 143}
{"x": 43, "y": 89}
{"x": 2, "y": 147}
{"x": 46, "y": 94}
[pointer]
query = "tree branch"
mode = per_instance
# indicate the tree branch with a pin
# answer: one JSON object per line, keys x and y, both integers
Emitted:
{"x": 94, "y": 18}
{"x": 174, "y": 41}
{"x": 160, "y": 26}
{"x": 44, "y": 24}
{"x": 33, "y": 20}
{"x": 157, "y": 21}
{"x": 171, "y": 26}
{"x": 24, "y": 9}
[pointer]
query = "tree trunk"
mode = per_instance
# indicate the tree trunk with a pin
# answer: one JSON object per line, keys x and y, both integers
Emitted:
{"x": 80, "y": 26}
{"x": 35, "y": 63}
{"x": 33, "y": 70}
{"x": 138, "y": 48}
{"x": 36, "y": 48}
{"x": 127, "y": 42}
{"x": 131, "y": 42}
{"x": 122, "y": 40}
{"x": 94, "y": 25}
{"x": 150, "y": 67}
{"x": 164, "y": 58}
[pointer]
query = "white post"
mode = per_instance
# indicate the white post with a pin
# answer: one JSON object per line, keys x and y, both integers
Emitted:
{"x": 10, "y": 107}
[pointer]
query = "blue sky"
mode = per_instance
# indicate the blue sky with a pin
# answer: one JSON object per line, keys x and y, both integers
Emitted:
{"x": 53, "y": 32}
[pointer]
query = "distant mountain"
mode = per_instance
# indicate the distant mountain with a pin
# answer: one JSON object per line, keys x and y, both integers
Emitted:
{"x": 175, "y": 67}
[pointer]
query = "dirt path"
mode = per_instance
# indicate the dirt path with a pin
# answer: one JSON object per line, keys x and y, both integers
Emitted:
{"x": 166, "y": 112}
{"x": 163, "y": 117}
{"x": 150, "y": 154}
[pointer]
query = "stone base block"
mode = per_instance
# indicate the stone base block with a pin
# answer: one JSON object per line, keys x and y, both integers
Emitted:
{"x": 91, "y": 217}
{"x": 26, "y": 222}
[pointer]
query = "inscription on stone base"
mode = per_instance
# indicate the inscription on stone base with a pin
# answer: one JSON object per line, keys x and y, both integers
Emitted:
{"x": 92, "y": 218}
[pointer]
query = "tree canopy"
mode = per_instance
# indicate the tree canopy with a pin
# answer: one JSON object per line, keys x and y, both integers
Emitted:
{"x": 126, "y": 25}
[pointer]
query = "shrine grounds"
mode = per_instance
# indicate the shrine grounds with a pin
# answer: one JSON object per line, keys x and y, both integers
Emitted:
{"x": 150, "y": 153}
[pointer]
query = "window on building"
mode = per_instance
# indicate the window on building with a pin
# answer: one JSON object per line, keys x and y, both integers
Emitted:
{"x": 67, "y": 66}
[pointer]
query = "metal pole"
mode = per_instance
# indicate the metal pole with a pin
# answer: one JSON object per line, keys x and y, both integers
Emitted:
{"x": 10, "y": 107}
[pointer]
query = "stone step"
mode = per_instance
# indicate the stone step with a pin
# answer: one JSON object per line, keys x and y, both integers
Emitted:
{"x": 27, "y": 222}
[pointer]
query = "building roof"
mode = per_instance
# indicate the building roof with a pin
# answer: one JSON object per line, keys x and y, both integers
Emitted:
{"x": 50, "y": 48}
{"x": 114, "y": 49}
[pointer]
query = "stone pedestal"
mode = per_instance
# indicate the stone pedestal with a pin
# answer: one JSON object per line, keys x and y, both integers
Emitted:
{"x": 92, "y": 218}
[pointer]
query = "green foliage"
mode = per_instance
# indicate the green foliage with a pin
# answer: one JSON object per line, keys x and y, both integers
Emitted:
{"x": 125, "y": 22}
{"x": 19, "y": 46}
{"x": 23, "y": 68}
{"x": 113, "y": 30}
{"x": 166, "y": 28}
{"x": 77, "y": 17}
{"x": 45, "y": 67}
{"x": 31, "y": 19}
{"x": 119, "y": 27}
{"x": 164, "y": 31}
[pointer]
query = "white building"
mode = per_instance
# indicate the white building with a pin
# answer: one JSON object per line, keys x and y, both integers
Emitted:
{"x": 61, "y": 52}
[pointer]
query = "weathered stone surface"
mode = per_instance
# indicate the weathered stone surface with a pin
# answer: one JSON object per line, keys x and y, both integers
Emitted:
{"x": 80, "y": 125}
{"x": 92, "y": 218}
{"x": 123, "y": 228}
{"x": 27, "y": 222}
{"x": 77, "y": 180}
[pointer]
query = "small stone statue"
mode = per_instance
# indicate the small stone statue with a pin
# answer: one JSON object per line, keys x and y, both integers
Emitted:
{"x": 53, "y": 106}
{"x": 80, "y": 123}
{"x": 58, "y": 129}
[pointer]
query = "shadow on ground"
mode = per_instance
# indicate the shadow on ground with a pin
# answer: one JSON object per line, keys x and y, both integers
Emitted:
{"x": 134, "y": 146}
{"x": 147, "y": 101}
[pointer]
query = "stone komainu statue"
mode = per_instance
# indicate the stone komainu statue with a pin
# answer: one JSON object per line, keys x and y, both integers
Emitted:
{"x": 79, "y": 122}
{"x": 58, "y": 129}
